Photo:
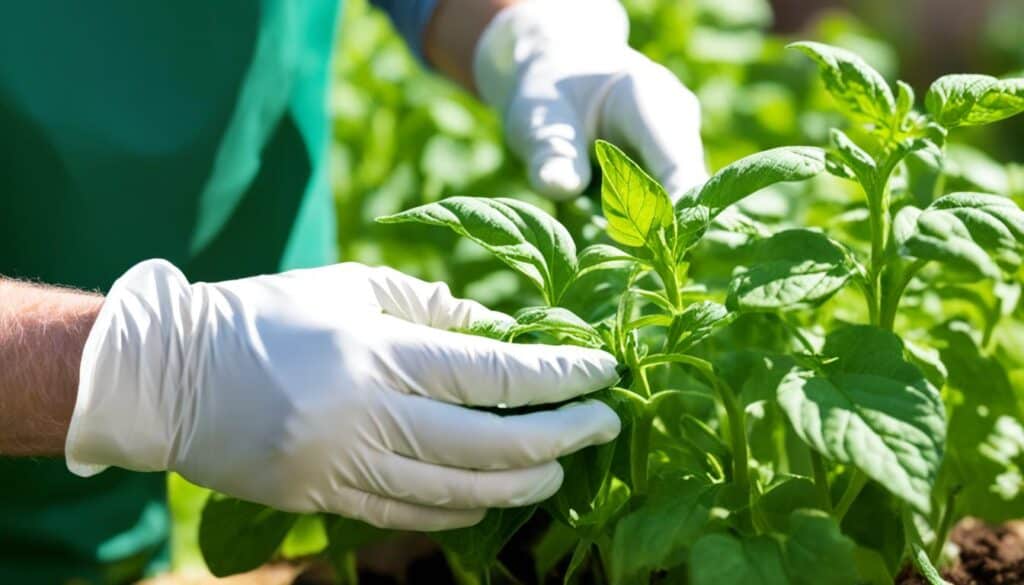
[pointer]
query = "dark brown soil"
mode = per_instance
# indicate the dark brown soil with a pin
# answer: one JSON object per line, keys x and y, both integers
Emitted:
{"x": 989, "y": 555}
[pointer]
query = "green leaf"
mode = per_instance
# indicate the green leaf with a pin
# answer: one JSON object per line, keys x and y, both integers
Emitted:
{"x": 579, "y": 556}
{"x": 875, "y": 521}
{"x": 928, "y": 360}
{"x": 924, "y": 566}
{"x": 781, "y": 500}
{"x": 859, "y": 89}
{"x": 817, "y": 553}
{"x": 705, "y": 440}
{"x": 973, "y": 100}
{"x": 657, "y": 535}
{"x": 308, "y": 536}
{"x": 522, "y": 236}
{"x": 871, "y": 567}
{"x": 873, "y": 409}
{"x": 812, "y": 551}
{"x": 904, "y": 224}
{"x": 346, "y": 534}
{"x": 855, "y": 157}
{"x": 717, "y": 559}
{"x": 601, "y": 256}
{"x": 237, "y": 536}
{"x": 904, "y": 99}
{"x": 692, "y": 223}
{"x": 699, "y": 321}
{"x": 490, "y": 329}
{"x": 585, "y": 474}
{"x": 635, "y": 205}
{"x": 986, "y": 443}
{"x": 557, "y": 542}
{"x": 790, "y": 270}
{"x": 835, "y": 165}
{"x": 554, "y": 320}
{"x": 757, "y": 171}
{"x": 476, "y": 547}
{"x": 976, "y": 234}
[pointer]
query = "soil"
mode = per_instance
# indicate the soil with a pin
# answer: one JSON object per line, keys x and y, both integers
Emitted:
{"x": 988, "y": 555}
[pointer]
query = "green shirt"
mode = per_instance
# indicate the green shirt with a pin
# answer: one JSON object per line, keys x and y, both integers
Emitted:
{"x": 193, "y": 131}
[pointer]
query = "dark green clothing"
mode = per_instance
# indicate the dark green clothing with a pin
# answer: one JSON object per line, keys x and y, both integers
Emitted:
{"x": 193, "y": 131}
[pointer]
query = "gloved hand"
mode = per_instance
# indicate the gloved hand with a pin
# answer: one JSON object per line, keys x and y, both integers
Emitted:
{"x": 336, "y": 389}
{"x": 562, "y": 74}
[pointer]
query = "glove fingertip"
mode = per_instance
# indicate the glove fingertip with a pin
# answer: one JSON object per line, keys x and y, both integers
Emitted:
{"x": 560, "y": 178}
{"x": 604, "y": 423}
{"x": 554, "y": 482}
{"x": 603, "y": 364}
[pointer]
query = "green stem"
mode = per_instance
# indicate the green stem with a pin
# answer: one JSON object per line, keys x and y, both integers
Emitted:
{"x": 640, "y": 440}
{"x": 346, "y": 568}
{"x": 878, "y": 210}
{"x": 995, "y": 314}
{"x": 667, "y": 268}
{"x": 733, "y": 410}
{"x": 737, "y": 434}
{"x": 759, "y": 520}
{"x": 891, "y": 301}
{"x": 945, "y": 524}
{"x": 642, "y": 385}
{"x": 669, "y": 280}
{"x": 797, "y": 334}
{"x": 462, "y": 575}
{"x": 639, "y": 449}
{"x": 821, "y": 481}
{"x": 505, "y": 572}
{"x": 853, "y": 489}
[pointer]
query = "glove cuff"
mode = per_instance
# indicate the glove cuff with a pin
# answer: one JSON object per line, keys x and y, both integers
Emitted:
{"x": 522, "y": 30}
{"x": 130, "y": 374}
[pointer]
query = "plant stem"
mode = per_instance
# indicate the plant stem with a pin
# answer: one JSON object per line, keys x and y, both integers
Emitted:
{"x": 994, "y": 315}
{"x": 737, "y": 434}
{"x": 639, "y": 449}
{"x": 670, "y": 281}
{"x": 794, "y": 330}
{"x": 891, "y": 301}
{"x": 857, "y": 482}
{"x": 462, "y": 575}
{"x": 346, "y": 569}
{"x": 878, "y": 209}
{"x": 733, "y": 410}
{"x": 640, "y": 439}
{"x": 666, "y": 268}
{"x": 821, "y": 481}
{"x": 945, "y": 523}
{"x": 506, "y": 573}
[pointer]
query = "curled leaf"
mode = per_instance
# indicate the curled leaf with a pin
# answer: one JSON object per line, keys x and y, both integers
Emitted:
{"x": 521, "y": 235}
{"x": 859, "y": 89}
{"x": 973, "y": 100}
{"x": 976, "y": 234}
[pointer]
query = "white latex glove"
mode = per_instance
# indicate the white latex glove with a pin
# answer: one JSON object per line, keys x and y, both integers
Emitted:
{"x": 562, "y": 74}
{"x": 336, "y": 389}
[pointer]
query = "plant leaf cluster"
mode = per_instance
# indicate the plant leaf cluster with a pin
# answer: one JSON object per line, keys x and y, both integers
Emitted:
{"x": 804, "y": 401}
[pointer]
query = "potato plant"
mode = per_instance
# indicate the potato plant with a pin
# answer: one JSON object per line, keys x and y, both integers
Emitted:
{"x": 822, "y": 416}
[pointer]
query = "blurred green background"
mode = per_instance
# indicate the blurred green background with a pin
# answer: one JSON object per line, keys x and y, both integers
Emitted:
{"x": 404, "y": 136}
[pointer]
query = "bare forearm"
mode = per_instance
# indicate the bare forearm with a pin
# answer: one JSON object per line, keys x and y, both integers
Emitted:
{"x": 453, "y": 32}
{"x": 42, "y": 332}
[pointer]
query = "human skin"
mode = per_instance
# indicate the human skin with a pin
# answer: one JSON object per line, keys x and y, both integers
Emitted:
{"x": 451, "y": 36}
{"x": 42, "y": 332}
{"x": 43, "y": 329}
